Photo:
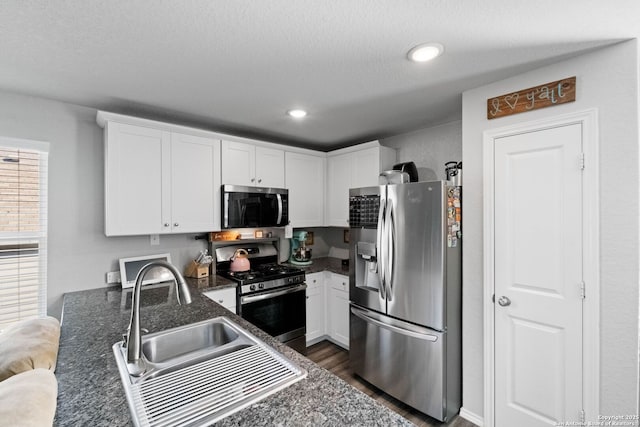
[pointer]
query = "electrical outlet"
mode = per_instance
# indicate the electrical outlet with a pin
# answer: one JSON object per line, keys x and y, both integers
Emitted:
{"x": 154, "y": 239}
{"x": 113, "y": 277}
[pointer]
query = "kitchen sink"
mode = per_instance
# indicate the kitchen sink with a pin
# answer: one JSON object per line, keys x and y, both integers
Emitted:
{"x": 200, "y": 373}
{"x": 167, "y": 345}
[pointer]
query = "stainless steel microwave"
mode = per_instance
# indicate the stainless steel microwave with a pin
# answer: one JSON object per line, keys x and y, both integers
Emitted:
{"x": 250, "y": 207}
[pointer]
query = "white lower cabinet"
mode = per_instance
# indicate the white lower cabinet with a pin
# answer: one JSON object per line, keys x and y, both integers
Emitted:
{"x": 328, "y": 308}
{"x": 338, "y": 309}
{"x": 315, "y": 307}
{"x": 225, "y": 297}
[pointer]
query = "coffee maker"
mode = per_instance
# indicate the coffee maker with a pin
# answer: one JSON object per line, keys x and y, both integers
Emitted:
{"x": 300, "y": 253}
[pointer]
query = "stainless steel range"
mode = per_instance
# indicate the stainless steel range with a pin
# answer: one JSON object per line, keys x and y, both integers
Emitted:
{"x": 272, "y": 296}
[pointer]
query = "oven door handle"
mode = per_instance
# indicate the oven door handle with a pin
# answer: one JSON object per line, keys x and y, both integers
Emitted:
{"x": 254, "y": 298}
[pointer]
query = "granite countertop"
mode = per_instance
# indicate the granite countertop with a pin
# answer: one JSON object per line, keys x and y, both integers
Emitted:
{"x": 89, "y": 387}
{"x": 333, "y": 265}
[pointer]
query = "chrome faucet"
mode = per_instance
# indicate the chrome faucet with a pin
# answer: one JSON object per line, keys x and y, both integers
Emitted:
{"x": 133, "y": 338}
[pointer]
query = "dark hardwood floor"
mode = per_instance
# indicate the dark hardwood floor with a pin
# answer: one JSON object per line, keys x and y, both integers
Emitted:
{"x": 336, "y": 360}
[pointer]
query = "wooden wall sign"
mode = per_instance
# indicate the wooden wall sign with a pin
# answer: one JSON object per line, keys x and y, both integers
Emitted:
{"x": 546, "y": 95}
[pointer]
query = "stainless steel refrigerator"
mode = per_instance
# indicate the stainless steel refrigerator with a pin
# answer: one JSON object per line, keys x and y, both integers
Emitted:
{"x": 405, "y": 292}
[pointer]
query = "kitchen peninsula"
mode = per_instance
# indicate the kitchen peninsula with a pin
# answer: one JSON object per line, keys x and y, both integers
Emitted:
{"x": 91, "y": 393}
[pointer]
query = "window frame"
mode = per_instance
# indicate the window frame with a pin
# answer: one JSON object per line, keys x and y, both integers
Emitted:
{"x": 41, "y": 236}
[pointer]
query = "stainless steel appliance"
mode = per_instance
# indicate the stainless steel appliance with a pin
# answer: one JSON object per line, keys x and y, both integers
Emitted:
{"x": 405, "y": 292}
{"x": 254, "y": 206}
{"x": 271, "y": 296}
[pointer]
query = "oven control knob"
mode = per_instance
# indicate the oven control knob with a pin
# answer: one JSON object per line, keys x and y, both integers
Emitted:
{"x": 261, "y": 285}
{"x": 252, "y": 287}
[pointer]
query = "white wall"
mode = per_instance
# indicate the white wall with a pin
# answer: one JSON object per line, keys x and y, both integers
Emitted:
{"x": 607, "y": 80}
{"x": 79, "y": 253}
{"x": 429, "y": 149}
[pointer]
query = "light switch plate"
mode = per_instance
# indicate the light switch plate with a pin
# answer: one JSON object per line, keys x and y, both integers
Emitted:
{"x": 154, "y": 239}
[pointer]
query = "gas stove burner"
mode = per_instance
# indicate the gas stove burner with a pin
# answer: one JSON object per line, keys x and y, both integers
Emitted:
{"x": 243, "y": 275}
{"x": 277, "y": 269}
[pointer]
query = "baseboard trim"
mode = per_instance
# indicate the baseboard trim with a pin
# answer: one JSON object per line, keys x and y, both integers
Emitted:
{"x": 471, "y": 417}
{"x": 317, "y": 340}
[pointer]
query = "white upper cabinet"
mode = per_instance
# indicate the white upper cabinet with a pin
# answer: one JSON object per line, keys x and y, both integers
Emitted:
{"x": 133, "y": 179}
{"x": 304, "y": 177}
{"x": 195, "y": 184}
{"x": 250, "y": 165}
{"x": 159, "y": 182}
{"x": 368, "y": 163}
{"x": 162, "y": 178}
{"x": 338, "y": 184}
{"x": 238, "y": 163}
{"x": 352, "y": 168}
{"x": 270, "y": 167}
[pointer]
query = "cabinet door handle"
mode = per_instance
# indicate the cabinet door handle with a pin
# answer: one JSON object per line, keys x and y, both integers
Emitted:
{"x": 175, "y": 224}
{"x": 253, "y": 180}
{"x": 260, "y": 180}
{"x": 166, "y": 224}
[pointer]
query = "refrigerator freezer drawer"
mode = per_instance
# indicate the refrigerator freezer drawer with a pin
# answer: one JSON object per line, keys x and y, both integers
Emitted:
{"x": 403, "y": 360}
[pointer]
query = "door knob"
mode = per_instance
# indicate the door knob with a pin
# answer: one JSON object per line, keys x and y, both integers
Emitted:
{"x": 504, "y": 301}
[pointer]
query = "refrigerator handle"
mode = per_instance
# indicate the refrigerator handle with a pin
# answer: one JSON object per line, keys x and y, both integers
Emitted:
{"x": 391, "y": 251}
{"x": 414, "y": 334}
{"x": 380, "y": 247}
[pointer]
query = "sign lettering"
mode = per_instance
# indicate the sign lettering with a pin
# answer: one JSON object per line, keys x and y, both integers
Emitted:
{"x": 533, "y": 98}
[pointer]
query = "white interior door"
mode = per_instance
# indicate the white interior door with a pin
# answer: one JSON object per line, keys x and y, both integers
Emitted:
{"x": 538, "y": 276}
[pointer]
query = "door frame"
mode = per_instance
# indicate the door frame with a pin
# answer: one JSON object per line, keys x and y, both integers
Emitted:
{"x": 590, "y": 255}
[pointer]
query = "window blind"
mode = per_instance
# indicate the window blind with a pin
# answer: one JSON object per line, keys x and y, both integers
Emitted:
{"x": 23, "y": 230}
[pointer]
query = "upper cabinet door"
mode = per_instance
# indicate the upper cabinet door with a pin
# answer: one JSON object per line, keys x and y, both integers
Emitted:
{"x": 269, "y": 167}
{"x": 160, "y": 182}
{"x": 304, "y": 177}
{"x": 251, "y": 165}
{"x": 366, "y": 168}
{"x": 134, "y": 179}
{"x": 353, "y": 169}
{"x": 238, "y": 163}
{"x": 338, "y": 184}
{"x": 195, "y": 183}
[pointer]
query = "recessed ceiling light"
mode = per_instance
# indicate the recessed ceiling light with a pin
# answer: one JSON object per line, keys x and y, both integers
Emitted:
{"x": 297, "y": 113}
{"x": 425, "y": 52}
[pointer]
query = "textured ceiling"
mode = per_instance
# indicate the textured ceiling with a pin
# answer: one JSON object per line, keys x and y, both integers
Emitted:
{"x": 238, "y": 65}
